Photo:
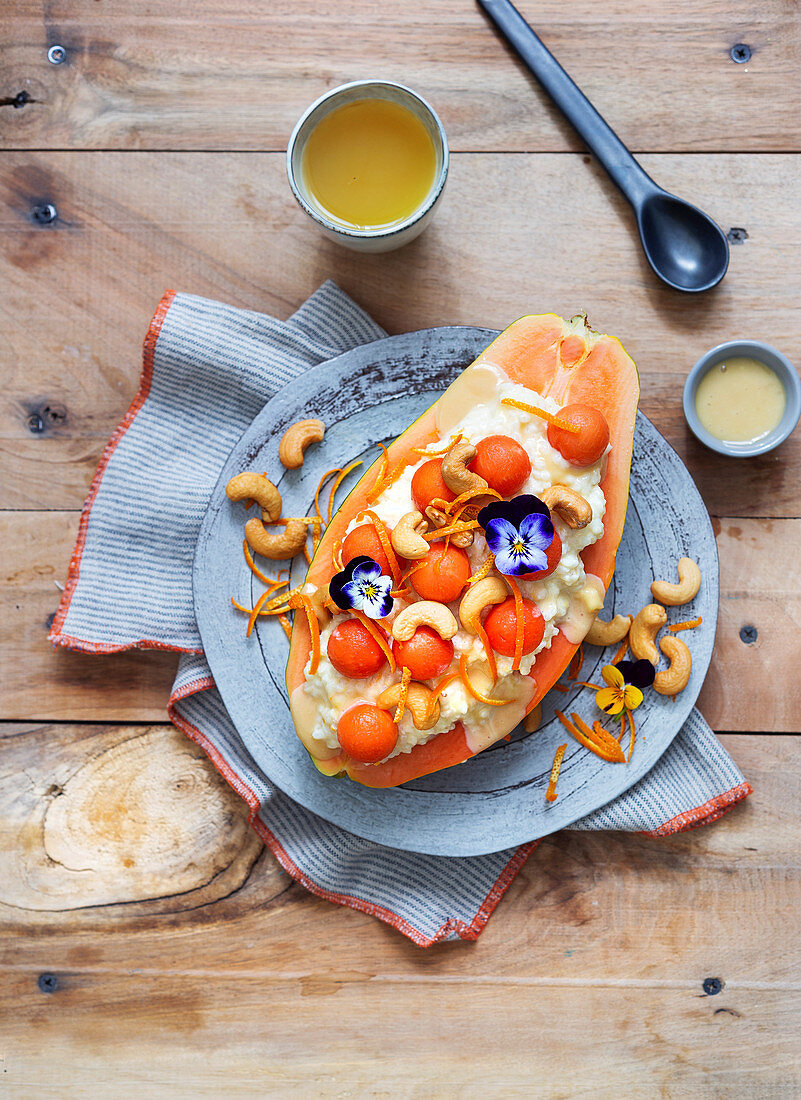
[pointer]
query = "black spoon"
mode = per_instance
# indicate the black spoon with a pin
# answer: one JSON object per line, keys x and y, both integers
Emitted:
{"x": 684, "y": 246}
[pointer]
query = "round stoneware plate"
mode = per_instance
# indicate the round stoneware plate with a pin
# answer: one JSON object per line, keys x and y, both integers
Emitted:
{"x": 496, "y": 799}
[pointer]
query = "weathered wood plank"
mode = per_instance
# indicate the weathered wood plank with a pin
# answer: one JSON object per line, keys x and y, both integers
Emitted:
{"x": 760, "y": 582}
{"x": 94, "y": 816}
{"x": 516, "y": 234}
{"x": 108, "y": 1034}
{"x": 42, "y": 682}
{"x": 587, "y": 908}
{"x": 237, "y": 76}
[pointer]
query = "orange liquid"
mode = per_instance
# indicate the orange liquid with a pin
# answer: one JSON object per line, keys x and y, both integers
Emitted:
{"x": 369, "y": 164}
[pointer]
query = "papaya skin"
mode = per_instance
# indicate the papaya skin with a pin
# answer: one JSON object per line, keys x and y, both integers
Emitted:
{"x": 565, "y": 360}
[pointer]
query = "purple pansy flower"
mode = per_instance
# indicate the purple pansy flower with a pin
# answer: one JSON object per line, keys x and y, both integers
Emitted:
{"x": 640, "y": 673}
{"x": 362, "y": 585}
{"x": 518, "y": 532}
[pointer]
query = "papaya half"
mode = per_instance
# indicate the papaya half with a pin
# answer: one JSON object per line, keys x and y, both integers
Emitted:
{"x": 568, "y": 362}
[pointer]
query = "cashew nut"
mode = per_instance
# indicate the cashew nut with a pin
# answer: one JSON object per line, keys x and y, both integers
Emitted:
{"x": 676, "y": 676}
{"x": 418, "y": 703}
{"x": 252, "y": 486}
{"x": 482, "y": 594}
{"x": 407, "y": 536}
{"x": 424, "y": 613}
{"x": 296, "y": 439}
{"x": 676, "y": 594}
{"x": 532, "y": 720}
{"x": 440, "y": 518}
{"x": 455, "y": 473}
{"x": 608, "y": 633}
{"x": 571, "y": 506}
{"x": 644, "y": 629}
{"x": 277, "y": 545}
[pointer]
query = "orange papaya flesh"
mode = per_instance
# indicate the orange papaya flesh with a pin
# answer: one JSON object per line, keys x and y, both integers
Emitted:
{"x": 570, "y": 363}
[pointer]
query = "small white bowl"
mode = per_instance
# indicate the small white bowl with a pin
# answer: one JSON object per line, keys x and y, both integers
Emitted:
{"x": 380, "y": 239}
{"x": 779, "y": 364}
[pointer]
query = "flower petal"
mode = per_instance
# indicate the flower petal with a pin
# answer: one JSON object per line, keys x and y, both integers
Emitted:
{"x": 366, "y": 571}
{"x": 632, "y": 696}
{"x": 537, "y": 530}
{"x": 612, "y": 676}
{"x": 513, "y": 510}
{"x": 610, "y": 700}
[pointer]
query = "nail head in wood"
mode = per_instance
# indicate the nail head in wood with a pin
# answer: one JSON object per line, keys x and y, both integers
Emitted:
{"x": 748, "y": 634}
{"x": 56, "y": 54}
{"x": 45, "y": 213}
{"x": 737, "y": 235}
{"x": 740, "y": 53}
{"x": 48, "y": 983}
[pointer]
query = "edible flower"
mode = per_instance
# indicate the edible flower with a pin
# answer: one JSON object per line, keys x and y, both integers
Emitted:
{"x": 363, "y": 587}
{"x": 518, "y": 532}
{"x": 624, "y": 683}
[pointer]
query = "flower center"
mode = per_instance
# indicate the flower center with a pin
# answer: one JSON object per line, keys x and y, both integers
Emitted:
{"x": 371, "y": 590}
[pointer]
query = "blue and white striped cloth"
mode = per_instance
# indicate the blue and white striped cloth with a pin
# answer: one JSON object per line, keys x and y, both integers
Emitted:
{"x": 208, "y": 370}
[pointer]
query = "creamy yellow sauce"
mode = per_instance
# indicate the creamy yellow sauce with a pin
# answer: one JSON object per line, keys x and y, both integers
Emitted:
{"x": 370, "y": 163}
{"x": 740, "y": 400}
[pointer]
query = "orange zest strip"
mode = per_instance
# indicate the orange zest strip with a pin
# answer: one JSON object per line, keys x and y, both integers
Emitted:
{"x": 550, "y": 794}
{"x": 555, "y": 420}
{"x": 473, "y": 690}
{"x": 688, "y": 625}
{"x": 268, "y": 609}
{"x": 260, "y": 602}
{"x": 310, "y": 521}
{"x": 437, "y": 454}
{"x": 307, "y": 555}
{"x": 436, "y": 691}
{"x": 336, "y": 555}
{"x": 319, "y": 489}
{"x": 381, "y": 531}
{"x": 454, "y": 529}
{"x": 378, "y": 634}
{"x": 493, "y": 667}
{"x": 600, "y": 736}
{"x": 314, "y": 630}
{"x": 400, "y": 593}
{"x": 631, "y": 738}
{"x": 586, "y": 684}
{"x": 576, "y": 663}
{"x": 380, "y": 482}
{"x": 339, "y": 479}
{"x": 464, "y": 498}
{"x": 255, "y": 569}
{"x": 592, "y": 745}
{"x": 286, "y": 624}
{"x": 621, "y": 653}
{"x": 406, "y": 679}
{"x": 484, "y": 569}
{"x": 521, "y": 624}
{"x": 561, "y": 687}
{"x": 317, "y": 534}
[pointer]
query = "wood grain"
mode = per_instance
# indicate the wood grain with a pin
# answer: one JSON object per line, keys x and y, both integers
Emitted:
{"x": 95, "y": 816}
{"x": 41, "y": 682}
{"x": 515, "y": 234}
{"x": 238, "y": 76}
{"x": 613, "y": 929}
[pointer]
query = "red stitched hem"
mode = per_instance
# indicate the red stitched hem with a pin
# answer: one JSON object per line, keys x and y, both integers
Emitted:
{"x": 464, "y": 931}
{"x": 702, "y": 815}
{"x": 80, "y": 644}
{"x": 73, "y": 573}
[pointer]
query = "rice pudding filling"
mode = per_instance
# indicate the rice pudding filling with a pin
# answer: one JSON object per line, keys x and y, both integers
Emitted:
{"x": 482, "y": 689}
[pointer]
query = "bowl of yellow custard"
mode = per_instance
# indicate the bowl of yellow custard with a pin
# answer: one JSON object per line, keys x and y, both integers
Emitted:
{"x": 367, "y": 161}
{"x": 742, "y": 398}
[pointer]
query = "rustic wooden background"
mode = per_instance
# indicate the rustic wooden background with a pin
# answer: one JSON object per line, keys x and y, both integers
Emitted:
{"x": 148, "y": 942}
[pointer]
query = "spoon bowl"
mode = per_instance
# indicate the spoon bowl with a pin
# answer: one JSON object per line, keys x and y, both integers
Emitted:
{"x": 683, "y": 245}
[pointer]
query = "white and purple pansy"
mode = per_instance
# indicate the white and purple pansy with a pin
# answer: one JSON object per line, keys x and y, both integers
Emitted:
{"x": 518, "y": 532}
{"x": 363, "y": 587}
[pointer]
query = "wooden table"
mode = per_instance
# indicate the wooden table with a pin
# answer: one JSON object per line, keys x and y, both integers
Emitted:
{"x": 152, "y": 956}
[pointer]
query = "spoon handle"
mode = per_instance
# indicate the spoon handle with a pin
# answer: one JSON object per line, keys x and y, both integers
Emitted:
{"x": 632, "y": 180}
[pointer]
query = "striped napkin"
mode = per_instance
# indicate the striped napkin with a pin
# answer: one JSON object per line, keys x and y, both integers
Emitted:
{"x": 208, "y": 369}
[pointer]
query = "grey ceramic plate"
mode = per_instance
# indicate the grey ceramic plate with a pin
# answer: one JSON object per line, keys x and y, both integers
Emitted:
{"x": 496, "y": 799}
